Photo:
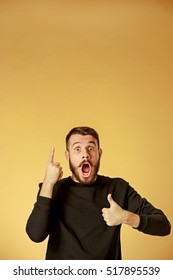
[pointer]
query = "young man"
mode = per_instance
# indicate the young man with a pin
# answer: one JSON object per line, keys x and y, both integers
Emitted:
{"x": 83, "y": 214}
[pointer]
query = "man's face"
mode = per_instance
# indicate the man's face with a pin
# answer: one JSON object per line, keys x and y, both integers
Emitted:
{"x": 84, "y": 158}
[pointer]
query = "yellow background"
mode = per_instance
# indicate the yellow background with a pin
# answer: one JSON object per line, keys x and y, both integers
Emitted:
{"x": 103, "y": 63}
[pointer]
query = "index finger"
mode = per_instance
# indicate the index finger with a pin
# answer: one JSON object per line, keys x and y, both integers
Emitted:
{"x": 51, "y": 156}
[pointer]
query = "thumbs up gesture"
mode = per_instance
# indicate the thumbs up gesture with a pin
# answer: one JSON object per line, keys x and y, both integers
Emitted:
{"x": 114, "y": 215}
{"x": 53, "y": 174}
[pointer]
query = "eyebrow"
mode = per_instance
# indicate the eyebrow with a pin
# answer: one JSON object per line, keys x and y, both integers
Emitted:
{"x": 89, "y": 142}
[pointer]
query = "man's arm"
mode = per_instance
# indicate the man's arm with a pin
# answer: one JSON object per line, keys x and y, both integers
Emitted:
{"x": 148, "y": 219}
{"x": 115, "y": 215}
{"x": 39, "y": 222}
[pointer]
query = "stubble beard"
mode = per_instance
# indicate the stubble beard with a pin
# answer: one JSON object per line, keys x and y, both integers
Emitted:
{"x": 77, "y": 177}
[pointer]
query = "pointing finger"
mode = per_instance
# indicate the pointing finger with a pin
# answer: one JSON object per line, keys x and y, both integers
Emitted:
{"x": 51, "y": 156}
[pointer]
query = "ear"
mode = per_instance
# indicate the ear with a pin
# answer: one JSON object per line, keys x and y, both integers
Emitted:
{"x": 67, "y": 155}
{"x": 100, "y": 152}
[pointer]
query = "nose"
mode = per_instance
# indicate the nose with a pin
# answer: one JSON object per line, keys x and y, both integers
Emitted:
{"x": 85, "y": 155}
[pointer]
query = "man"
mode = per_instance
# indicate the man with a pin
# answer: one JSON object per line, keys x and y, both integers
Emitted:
{"x": 83, "y": 214}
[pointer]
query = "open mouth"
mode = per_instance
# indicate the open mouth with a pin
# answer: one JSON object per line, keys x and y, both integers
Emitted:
{"x": 86, "y": 169}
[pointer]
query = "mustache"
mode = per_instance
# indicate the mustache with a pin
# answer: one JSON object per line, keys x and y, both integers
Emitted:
{"x": 85, "y": 161}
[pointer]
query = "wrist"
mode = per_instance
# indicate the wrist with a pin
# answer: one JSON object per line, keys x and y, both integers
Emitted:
{"x": 46, "y": 189}
{"x": 131, "y": 219}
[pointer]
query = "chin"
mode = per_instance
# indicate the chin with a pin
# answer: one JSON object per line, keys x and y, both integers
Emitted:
{"x": 87, "y": 181}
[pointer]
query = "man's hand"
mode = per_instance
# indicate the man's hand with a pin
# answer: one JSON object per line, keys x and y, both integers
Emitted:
{"x": 53, "y": 170}
{"x": 115, "y": 215}
{"x": 53, "y": 174}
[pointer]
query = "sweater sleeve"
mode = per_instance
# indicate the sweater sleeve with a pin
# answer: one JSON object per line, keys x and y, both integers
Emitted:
{"x": 152, "y": 220}
{"x": 39, "y": 221}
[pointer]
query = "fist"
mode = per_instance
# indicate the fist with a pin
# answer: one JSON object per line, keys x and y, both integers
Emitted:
{"x": 113, "y": 215}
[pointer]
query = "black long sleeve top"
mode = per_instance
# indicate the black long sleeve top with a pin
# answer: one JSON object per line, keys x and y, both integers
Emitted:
{"x": 73, "y": 219}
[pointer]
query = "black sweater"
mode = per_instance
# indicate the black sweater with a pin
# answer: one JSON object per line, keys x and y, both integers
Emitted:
{"x": 73, "y": 219}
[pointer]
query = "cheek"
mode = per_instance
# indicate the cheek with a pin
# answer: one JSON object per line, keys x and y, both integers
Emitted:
{"x": 96, "y": 157}
{"x": 75, "y": 160}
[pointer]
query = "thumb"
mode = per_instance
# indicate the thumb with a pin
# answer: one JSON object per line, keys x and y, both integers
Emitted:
{"x": 110, "y": 199}
{"x": 51, "y": 156}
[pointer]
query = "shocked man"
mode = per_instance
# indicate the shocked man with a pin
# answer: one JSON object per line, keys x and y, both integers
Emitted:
{"x": 83, "y": 213}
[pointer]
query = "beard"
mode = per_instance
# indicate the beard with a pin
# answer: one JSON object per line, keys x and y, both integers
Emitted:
{"x": 75, "y": 173}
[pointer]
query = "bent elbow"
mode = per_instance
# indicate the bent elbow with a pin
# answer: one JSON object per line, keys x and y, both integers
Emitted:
{"x": 35, "y": 235}
{"x": 167, "y": 229}
{"x": 157, "y": 225}
{"x": 36, "y": 239}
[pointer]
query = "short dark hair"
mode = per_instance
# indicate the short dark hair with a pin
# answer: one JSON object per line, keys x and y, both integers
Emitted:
{"x": 83, "y": 130}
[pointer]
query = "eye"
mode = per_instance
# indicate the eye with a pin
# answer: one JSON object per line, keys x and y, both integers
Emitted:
{"x": 77, "y": 149}
{"x": 91, "y": 148}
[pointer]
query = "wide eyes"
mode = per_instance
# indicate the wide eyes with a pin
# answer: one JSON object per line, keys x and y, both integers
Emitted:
{"x": 89, "y": 148}
{"x": 77, "y": 149}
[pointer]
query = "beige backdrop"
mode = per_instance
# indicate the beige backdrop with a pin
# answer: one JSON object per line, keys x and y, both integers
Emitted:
{"x": 102, "y": 63}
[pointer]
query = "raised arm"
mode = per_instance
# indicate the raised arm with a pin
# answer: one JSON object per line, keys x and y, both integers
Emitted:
{"x": 40, "y": 219}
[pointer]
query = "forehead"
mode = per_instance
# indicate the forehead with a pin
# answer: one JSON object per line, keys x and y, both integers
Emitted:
{"x": 82, "y": 139}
